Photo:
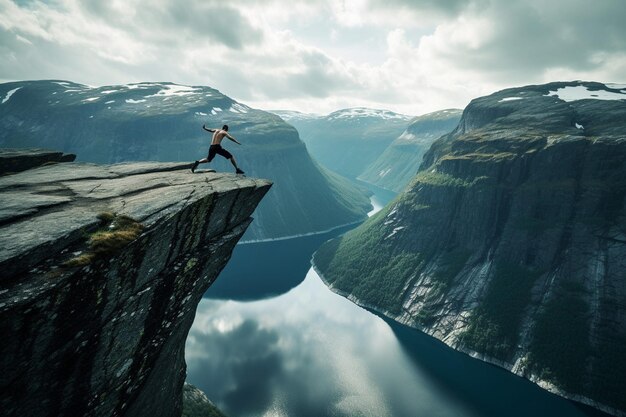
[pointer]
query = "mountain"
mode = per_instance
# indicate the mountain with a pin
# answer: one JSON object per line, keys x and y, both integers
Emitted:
{"x": 102, "y": 271}
{"x": 400, "y": 161}
{"x": 347, "y": 141}
{"x": 163, "y": 122}
{"x": 510, "y": 242}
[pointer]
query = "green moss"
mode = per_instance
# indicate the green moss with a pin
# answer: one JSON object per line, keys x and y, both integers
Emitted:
{"x": 378, "y": 279}
{"x": 482, "y": 157}
{"x": 494, "y": 326}
{"x": 114, "y": 233}
{"x": 449, "y": 266}
{"x": 610, "y": 366}
{"x": 441, "y": 179}
{"x": 560, "y": 345}
{"x": 80, "y": 260}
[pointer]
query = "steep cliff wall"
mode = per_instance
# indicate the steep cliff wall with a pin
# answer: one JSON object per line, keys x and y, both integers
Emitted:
{"x": 102, "y": 269}
{"x": 510, "y": 243}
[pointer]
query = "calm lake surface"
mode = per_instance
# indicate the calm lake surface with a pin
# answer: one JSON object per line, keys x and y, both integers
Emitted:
{"x": 270, "y": 339}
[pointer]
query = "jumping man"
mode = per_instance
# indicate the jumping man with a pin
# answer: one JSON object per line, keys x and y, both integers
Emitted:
{"x": 216, "y": 148}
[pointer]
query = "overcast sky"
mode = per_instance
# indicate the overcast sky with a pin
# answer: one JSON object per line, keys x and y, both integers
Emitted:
{"x": 410, "y": 56}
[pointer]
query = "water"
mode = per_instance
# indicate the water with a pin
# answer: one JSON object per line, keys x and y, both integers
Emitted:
{"x": 270, "y": 339}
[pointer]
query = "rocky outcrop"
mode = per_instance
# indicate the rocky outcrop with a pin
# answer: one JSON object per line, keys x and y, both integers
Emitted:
{"x": 399, "y": 163}
{"x": 102, "y": 270}
{"x": 18, "y": 160}
{"x": 160, "y": 121}
{"x": 510, "y": 243}
{"x": 196, "y": 403}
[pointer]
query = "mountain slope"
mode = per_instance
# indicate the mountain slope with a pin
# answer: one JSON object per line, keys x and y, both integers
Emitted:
{"x": 162, "y": 122}
{"x": 510, "y": 243}
{"x": 399, "y": 162}
{"x": 348, "y": 140}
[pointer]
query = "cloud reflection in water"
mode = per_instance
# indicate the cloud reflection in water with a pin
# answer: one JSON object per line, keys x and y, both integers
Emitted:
{"x": 306, "y": 353}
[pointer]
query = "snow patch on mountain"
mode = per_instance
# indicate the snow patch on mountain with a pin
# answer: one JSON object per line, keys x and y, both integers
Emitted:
{"x": 581, "y": 92}
{"x": 238, "y": 108}
{"x": 170, "y": 90}
{"x": 288, "y": 115}
{"x": 9, "y": 94}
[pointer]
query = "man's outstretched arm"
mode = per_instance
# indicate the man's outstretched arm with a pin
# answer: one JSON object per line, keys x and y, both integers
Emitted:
{"x": 207, "y": 129}
{"x": 232, "y": 138}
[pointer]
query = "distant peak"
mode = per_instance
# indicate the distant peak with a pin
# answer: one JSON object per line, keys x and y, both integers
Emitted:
{"x": 355, "y": 112}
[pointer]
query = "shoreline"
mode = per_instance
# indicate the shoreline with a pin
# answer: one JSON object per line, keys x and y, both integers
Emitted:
{"x": 275, "y": 239}
{"x": 545, "y": 385}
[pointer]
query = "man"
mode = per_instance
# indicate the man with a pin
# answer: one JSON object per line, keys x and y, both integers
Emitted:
{"x": 216, "y": 148}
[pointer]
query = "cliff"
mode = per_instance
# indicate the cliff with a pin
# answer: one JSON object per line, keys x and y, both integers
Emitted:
{"x": 160, "y": 121}
{"x": 399, "y": 163}
{"x": 510, "y": 243}
{"x": 102, "y": 270}
{"x": 17, "y": 160}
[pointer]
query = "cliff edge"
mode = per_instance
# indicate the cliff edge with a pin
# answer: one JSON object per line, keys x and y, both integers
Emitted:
{"x": 102, "y": 270}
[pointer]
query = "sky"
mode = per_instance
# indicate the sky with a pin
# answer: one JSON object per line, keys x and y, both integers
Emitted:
{"x": 409, "y": 56}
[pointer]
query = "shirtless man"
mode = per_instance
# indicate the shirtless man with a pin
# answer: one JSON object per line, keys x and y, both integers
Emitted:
{"x": 216, "y": 148}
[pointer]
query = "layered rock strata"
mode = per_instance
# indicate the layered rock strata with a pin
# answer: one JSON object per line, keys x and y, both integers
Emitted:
{"x": 94, "y": 318}
{"x": 510, "y": 243}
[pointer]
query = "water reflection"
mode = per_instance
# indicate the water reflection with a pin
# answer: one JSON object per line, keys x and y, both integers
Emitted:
{"x": 307, "y": 353}
{"x": 263, "y": 270}
{"x": 300, "y": 350}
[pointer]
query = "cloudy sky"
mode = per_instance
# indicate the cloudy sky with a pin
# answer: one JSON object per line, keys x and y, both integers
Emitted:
{"x": 411, "y": 56}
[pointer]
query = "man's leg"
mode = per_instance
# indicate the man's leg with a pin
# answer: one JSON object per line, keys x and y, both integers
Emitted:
{"x": 203, "y": 161}
{"x": 237, "y": 170}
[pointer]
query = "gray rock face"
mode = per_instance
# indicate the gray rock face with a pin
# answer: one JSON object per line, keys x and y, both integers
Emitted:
{"x": 510, "y": 243}
{"x": 17, "y": 160}
{"x": 107, "y": 338}
{"x": 163, "y": 122}
{"x": 196, "y": 403}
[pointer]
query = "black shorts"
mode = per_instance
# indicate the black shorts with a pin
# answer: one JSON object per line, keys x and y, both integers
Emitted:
{"x": 217, "y": 149}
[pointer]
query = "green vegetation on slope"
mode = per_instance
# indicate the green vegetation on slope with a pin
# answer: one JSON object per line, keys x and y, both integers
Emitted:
{"x": 379, "y": 278}
{"x": 494, "y": 325}
{"x": 448, "y": 267}
{"x": 560, "y": 343}
{"x": 395, "y": 167}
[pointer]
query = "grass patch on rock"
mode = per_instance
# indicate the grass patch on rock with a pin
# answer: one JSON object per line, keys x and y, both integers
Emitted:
{"x": 113, "y": 234}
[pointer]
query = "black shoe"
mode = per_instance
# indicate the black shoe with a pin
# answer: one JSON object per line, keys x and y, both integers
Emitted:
{"x": 239, "y": 171}
{"x": 194, "y": 166}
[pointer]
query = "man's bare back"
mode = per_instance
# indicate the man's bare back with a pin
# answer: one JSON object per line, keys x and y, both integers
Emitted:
{"x": 219, "y": 135}
{"x": 216, "y": 148}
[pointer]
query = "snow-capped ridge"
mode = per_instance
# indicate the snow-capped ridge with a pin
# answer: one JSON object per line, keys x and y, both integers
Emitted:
{"x": 357, "y": 112}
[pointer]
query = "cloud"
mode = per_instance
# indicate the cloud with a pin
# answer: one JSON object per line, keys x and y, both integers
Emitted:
{"x": 403, "y": 55}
